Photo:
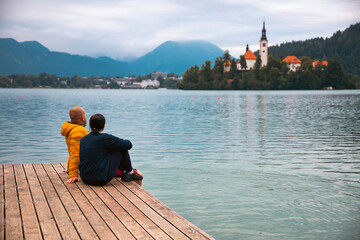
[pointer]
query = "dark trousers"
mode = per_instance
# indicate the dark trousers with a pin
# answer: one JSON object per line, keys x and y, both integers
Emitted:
{"x": 118, "y": 160}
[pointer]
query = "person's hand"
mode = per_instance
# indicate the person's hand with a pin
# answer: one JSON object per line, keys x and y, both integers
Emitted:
{"x": 73, "y": 179}
{"x": 65, "y": 170}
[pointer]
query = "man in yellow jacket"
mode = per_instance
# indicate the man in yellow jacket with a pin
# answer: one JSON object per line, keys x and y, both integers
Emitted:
{"x": 73, "y": 131}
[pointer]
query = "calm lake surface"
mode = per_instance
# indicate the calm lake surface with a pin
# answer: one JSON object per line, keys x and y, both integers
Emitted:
{"x": 238, "y": 164}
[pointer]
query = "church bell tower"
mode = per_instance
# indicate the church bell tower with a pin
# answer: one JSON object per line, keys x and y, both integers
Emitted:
{"x": 263, "y": 47}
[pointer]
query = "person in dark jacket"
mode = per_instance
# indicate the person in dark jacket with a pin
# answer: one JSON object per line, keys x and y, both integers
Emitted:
{"x": 101, "y": 154}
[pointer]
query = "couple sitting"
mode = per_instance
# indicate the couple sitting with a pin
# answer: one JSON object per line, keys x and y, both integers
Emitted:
{"x": 98, "y": 156}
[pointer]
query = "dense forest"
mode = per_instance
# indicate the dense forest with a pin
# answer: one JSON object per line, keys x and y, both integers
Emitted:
{"x": 275, "y": 76}
{"x": 342, "y": 46}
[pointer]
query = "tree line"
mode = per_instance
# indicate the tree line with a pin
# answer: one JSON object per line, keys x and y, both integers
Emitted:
{"x": 275, "y": 76}
{"x": 44, "y": 80}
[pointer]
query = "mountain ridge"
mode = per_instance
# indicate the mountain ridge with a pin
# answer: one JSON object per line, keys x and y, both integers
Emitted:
{"x": 31, "y": 57}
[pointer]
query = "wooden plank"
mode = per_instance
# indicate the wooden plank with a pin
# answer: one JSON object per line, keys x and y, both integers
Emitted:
{"x": 29, "y": 217}
{"x": 146, "y": 222}
{"x": 175, "y": 219}
{"x": 130, "y": 222}
{"x": 97, "y": 223}
{"x": 148, "y": 211}
{"x": 2, "y": 216}
{"x": 77, "y": 217}
{"x": 112, "y": 221}
{"x": 46, "y": 219}
{"x": 62, "y": 219}
{"x": 13, "y": 227}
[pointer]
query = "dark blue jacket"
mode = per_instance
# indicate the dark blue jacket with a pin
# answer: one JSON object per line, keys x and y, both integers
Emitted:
{"x": 95, "y": 152}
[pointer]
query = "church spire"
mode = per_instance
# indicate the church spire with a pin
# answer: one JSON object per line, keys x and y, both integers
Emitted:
{"x": 263, "y": 35}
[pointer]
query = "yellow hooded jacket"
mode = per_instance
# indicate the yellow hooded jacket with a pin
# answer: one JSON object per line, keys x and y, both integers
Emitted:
{"x": 73, "y": 133}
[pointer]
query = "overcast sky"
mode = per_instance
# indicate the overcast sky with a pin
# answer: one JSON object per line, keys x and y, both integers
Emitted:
{"x": 124, "y": 29}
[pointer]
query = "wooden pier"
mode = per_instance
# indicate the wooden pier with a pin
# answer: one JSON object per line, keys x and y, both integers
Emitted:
{"x": 37, "y": 203}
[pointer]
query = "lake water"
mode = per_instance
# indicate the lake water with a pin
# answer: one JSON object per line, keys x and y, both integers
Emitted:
{"x": 238, "y": 164}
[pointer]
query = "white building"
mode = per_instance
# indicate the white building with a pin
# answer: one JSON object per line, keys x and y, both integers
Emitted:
{"x": 292, "y": 62}
{"x": 227, "y": 66}
{"x": 150, "y": 83}
{"x": 250, "y": 60}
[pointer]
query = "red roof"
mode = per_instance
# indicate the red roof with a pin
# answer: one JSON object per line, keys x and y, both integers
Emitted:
{"x": 249, "y": 55}
{"x": 317, "y": 62}
{"x": 227, "y": 63}
{"x": 291, "y": 59}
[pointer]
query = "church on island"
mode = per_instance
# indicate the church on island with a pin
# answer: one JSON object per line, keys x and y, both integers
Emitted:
{"x": 250, "y": 57}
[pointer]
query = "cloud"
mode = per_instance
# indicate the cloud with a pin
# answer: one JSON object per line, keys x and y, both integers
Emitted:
{"x": 131, "y": 28}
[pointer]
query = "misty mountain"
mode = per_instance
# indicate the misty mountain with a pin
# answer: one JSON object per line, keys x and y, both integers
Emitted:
{"x": 176, "y": 57}
{"x": 33, "y": 58}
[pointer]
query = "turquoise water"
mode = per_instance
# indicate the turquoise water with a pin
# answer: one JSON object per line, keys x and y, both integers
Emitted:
{"x": 238, "y": 164}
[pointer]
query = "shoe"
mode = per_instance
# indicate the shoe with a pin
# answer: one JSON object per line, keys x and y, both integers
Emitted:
{"x": 127, "y": 177}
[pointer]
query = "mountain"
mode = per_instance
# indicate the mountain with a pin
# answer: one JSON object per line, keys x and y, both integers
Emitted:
{"x": 176, "y": 57}
{"x": 32, "y": 57}
{"x": 343, "y": 46}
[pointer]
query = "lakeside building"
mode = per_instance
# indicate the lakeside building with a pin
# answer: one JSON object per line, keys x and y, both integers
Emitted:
{"x": 250, "y": 59}
{"x": 227, "y": 66}
{"x": 320, "y": 64}
{"x": 293, "y": 62}
{"x": 150, "y": 83}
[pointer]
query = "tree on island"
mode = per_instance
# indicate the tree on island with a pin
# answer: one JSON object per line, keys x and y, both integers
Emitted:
{"x": 243, "y": 62}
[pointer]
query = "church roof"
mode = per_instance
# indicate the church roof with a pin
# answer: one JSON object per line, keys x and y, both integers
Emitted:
{"x": 249, "y": 55}
{"x": 227, "y": 63}
{"x": 291, "y": 59}
{"x": 317, "y": 62}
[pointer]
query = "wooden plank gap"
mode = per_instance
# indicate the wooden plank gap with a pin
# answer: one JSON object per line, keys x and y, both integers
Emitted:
{"x": 96, "y": 221}
{"x": 45, "y": 194}
{"x": 32, "y": 200}
{"x": 151, "y": 214}
{"x": 18, "y": 198}
{"x": 62, "y": 218}
{"x": 47, "y": 222}
{"x": 81, "y": 224}
{"x": 167, "y": 213}
{"x": 129, "y": 222}
{"x": 29, "y": 216}
{"x": 110, "y": 219}
{"x": 13, "y": 223}
{"x": 144, "y": 221}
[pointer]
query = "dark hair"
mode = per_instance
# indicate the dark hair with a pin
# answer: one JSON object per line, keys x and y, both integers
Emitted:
{"x": 97, "y": 122}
